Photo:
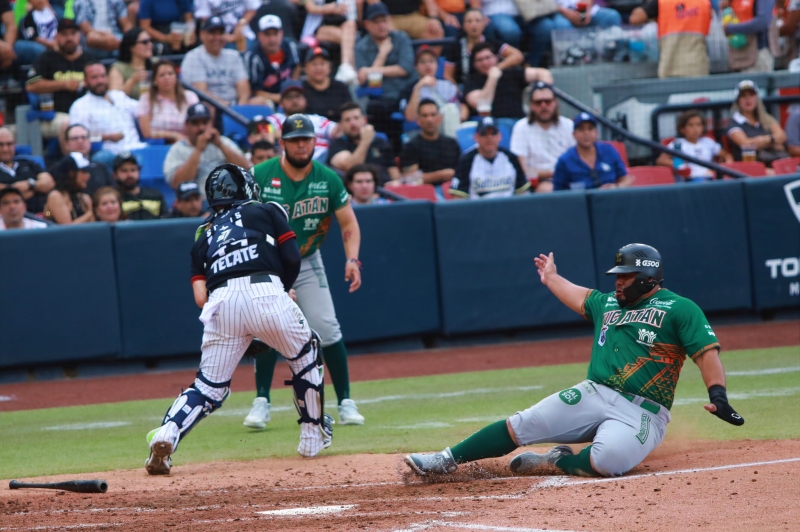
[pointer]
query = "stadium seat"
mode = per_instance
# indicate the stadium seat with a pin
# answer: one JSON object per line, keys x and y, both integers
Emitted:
{"x": 645, "y": 176}
{"x": 751, "y": 168}
{"x": 465, "y": 136}
{"x": 621, "y": 149}
{"x": 425, "y": 192}
{"x": 505, "y": 132}
{"x": 446, "y": 190}
{"x": 236, "y": 131}
{"x": 38, "y": 159}
{"x": 151, "y": 159}
{"x": 787, "y": 165}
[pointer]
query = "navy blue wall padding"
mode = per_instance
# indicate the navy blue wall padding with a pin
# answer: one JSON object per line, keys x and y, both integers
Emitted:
{"x": 399, "y": 295}
{"x": 488, "y": 280}
{"x": 773, "y": 213}
{"x": 159, "y": 315}
{"x": 699, "y": 229}
{"x": 58, "y": 298}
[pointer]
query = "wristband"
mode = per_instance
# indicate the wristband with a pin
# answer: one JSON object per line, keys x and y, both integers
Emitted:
{"x": 356, "y": 261}
{"x": 717, "y": 391}
{"x": 32, "y": 183}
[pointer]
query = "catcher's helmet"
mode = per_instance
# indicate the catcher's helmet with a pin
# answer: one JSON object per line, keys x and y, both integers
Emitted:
{"x": 296, "y": 126}
{"x": 643, "y": 260}
{"x": 229, "y": 183}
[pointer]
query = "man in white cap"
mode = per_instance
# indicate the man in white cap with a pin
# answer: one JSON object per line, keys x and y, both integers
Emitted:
{"x": 274, "y": 61}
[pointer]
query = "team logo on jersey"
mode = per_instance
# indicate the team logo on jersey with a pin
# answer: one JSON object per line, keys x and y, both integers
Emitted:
{"x": 571, "y": 397}
{"x": 644, "y": 429}
{"x": 315, "y": 205}
{"x": 311, "y": 224}
{"x": 650, "y": 316}
{"x": 223, "y": 234}
{"x": 322, "y": 185}
{"x": 646, "y": 337}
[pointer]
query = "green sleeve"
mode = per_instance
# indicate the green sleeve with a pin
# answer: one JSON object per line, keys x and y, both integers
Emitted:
{"x": 694, "y": 332}
{"x": 593, "y": 304}
{"x": 339, "y": 195}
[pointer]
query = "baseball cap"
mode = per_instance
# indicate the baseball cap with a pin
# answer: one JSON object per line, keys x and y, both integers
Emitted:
{"x": 198, "y": 111}
{"x": 745, "y": 85}
{"x": 68, "y": 163}
{"x": 213, "y": 23}
{"x": 291, "y": 85}
{"x": 124, "y": 157}
{"x": 487, "y": 123}
{"x": 268, "y": 22}
{"x": 67, "y": 24}
{"x": 186, "y": 190}
{"x": 317, "y": 51}
{"x": 584, "y": 117}
{"x": 378, "y": 9}
{"x": 425, "y": 49}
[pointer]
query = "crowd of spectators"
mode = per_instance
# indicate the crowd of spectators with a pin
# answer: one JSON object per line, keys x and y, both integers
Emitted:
{"x": 243, "y": 52}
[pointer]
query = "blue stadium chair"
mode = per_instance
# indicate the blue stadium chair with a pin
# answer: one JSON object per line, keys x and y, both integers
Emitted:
{"x": 465, "y": 137}
{"x": 151, "y": 159}
{"x": 23, "y": 149}
{"x": 505, "y": 131}
{"x": 382, "y": 136}
{"x": 233, "y": 129}
{"x": 38, "y": 159}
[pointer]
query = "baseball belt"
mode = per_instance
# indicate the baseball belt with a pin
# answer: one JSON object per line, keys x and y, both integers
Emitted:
{"x": 260, "y": 277}
{"x": 647, "y": 404}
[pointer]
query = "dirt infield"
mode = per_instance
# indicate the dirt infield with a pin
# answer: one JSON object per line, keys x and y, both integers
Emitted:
{"x": 685, "y": 484}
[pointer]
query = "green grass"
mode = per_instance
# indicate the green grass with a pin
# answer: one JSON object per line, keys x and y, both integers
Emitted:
{"x": 30, "y": 447}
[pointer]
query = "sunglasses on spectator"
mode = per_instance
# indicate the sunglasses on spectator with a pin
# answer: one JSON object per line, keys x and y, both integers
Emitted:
{"x": 546, "y": 101}
{"x": 144, "y": 41}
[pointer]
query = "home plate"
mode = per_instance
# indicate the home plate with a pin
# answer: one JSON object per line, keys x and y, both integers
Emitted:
{"x": 311, "y": 510}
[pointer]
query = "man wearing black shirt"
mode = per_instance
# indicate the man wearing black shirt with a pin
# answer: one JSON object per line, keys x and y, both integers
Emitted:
{"x": 137, "y": 203}
{"x": 59, "y": 72}
{"x": 435, "y": 155}
{"x": 503, "y": 88}
{"x": 358, "y": 145}
{"x": 23, "y": 174}
{"x": 77, "y": 140}
{"x": 324, "y": 96}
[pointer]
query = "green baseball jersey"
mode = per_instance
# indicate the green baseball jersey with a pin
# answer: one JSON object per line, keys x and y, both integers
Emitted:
{"x": 310, "y": 202}
{"x": 641, "y": 349}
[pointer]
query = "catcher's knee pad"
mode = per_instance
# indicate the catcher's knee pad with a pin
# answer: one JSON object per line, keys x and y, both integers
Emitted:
{"x": 189, "y": 408}
{"x": 307, "y": 382}
{"x": 217, "y": 392}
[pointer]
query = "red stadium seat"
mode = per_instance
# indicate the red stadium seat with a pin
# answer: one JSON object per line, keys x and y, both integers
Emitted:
{"x": 645, "y": 176}
{"x": 786, "y": 165}
{"x": 426, "y": 192}
{"x": 751, "y": 168}
{"x": 621, "y": 149}
{"x": 446, "y": 190}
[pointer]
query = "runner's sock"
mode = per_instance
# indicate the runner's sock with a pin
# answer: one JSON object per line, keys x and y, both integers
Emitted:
{"x": 489, "y": 442}
{"x": 335, "y": 356}
{"x": 578, "y": 464}
{"x": 265, "y": 369}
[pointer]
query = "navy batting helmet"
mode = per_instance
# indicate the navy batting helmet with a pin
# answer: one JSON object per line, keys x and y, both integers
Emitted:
{"x": 643, "y": 260}
{"x": 229, "y": 183}
{"x": 298, "y": 126}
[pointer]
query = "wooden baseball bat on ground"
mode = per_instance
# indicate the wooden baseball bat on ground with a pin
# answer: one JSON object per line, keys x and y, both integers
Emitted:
{"x": 78, "y": 486}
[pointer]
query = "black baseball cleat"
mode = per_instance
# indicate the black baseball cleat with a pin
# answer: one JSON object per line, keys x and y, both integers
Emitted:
{"x": 527, "y": 462}
{"x": 440, "y": 463}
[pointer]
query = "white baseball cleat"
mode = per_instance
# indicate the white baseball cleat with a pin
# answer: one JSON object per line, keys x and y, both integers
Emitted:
{"x": 527, "y": 462}
{"x": 441, "y": 463}
{"x": 348, "y": 413}
{"x": 259, "y": 414}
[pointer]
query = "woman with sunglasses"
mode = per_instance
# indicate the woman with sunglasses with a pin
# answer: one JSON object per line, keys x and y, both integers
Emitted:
{"x": 162, "y": 109}
{"x": 131, "y": 73}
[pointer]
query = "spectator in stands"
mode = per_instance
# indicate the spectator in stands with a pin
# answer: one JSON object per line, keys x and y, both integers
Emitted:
{"x": 568, "y": 16}
{"x": 502, "y": 89}
{"x": 107, "y": 203}
{"x": 488, "y": 170}
{"x": 334, "y": 22}
{"x": 541, "y": 138}
{"x": 457, "y": 68}
{"x": 188, "y": 201}
{"x": 451, "y": 13}
{"x": 755, "y": 18}
{"x": 203, "y": 149}
{"x": 384, "y": 58}
{"x": 108, "y": 114}
{"x": 9, "y": 49}
{"x": 12, "y": 211}
{"x": 157, "y": 19}
{"x": 693, "y": 141}
{"x": 235, "y": 16}
{"x": 752, "y": 127}
{"x": 274, "y": 61}
{"x": 261, "y": 151}
{"x": 683, "y": 51}
{"x": 293, "y": 100}
{"x": 214, "y": 69}
{"x": 431, "y": 153}
{"x": 103, "y": 33}
{"x": 77, "y": 140}
{"x": 407, "y": 18}
{"x": 442, "y": 91}
{"x": 59, "y": 72}
{"x": 68, "y": 203}
{"x": 131, "y": 73}
{"x": 260, "y": 128}
{"x": 793, "y": 131}
{"x": 138, "y": 203}
{"x": 789, "y": 26}
{"x": 32, "y": 181}
{"x": 360, "y": 183}
{"x": 324, "y": 96}
{"x": 359, "y": 144}
{"x": 162, "y": 108}
{"x": 589, "y": 164}
{"x": 506, "y": 22}
{"x": 289, "y": 13}
{"x": 40, "y": 25}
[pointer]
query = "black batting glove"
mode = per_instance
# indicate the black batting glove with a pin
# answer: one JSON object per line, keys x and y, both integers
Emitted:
{"x": 719, "y": 398}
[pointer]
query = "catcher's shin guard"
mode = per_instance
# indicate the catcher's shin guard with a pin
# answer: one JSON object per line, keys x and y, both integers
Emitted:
{"x": 192, "y": 405}
{"x": 307, "y": 381}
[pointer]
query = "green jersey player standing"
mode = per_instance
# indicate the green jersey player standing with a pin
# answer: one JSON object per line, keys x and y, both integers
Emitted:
{"x": 311, "y": 193}
{"x": 642, "y": 335}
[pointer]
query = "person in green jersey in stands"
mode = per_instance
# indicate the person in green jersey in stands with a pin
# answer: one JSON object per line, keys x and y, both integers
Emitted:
{"x": 642, "y": 335}
{"x": 311, "y": 193}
